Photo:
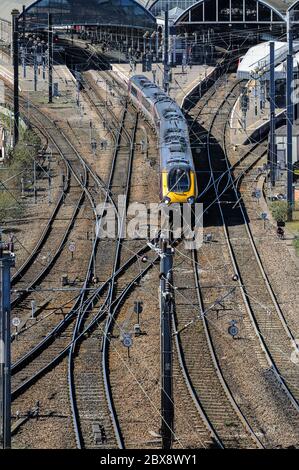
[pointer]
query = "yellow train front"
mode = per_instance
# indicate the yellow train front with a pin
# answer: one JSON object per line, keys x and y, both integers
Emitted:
{"x": 178, "y": 175}
{"x": 178, "y": 185}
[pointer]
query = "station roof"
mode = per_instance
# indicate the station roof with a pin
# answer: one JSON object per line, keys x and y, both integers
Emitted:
{"x": 80, "y": 12}
{"x": 280, "y": 5}
{"x": 156, "y": 7}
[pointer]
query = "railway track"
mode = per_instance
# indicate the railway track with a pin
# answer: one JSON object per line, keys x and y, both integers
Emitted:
{"x": 105, "y": 330}
{"x": 119, "y": 183}
{"x": 49, "y": 352}
{"x": 114, "y": 188}
{"x": 221, "y": 179}
{"x": 216, "y": 406}
{"x": 55, "y": 235}
{"x": 272, "y": 330}
{"x": 214, "y": 400}
{"x": 94, "y": 324}
{"x": 28, "y": 365}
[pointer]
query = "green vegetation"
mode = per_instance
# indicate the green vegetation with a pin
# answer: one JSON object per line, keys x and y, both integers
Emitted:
{"x": 10, "y": 208}
{"x": 19, "y": 164}
{"x": 4, "y": 120}
{"x": 279, "y": 210}
{"x": 22, "y": 156}
{"x": 293, "y": 227}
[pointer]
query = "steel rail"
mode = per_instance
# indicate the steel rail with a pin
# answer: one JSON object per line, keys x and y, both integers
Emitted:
{"x": 219, "y": 372}
{"x": 22, "y": 269}
{"x": 46, "y": 341}
{"x": 201, "y": 316}
{"x": 111, "y": 317}
{"x": 254, "y": 322}
{"x": 190, "y": 387}
{"x": 29, "y": 382}
{"x": 45, "y": 131}
{"x": 80, "y": 318}
{"x": 21, "y": 363}
{"x": 291, "y": 337}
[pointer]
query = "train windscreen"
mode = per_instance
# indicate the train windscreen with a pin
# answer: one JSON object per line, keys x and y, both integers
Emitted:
{"x": 178, "y": 180}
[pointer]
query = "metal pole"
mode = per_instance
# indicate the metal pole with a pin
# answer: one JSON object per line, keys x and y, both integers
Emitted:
{"x": 289, "y": 90}
{"x": 35, "y": 67}
{"x": 44, "y": 61}
{"x": 24, "y": 54}
{"x": 7, "y": 261}
{"x": 166, "y": 48}
{"x": 174, "y": 50}
{"x": 15, "y": 16}
{"x": 50, "y": 57}
{"x": 34, "y": 181}
{"x": 24, "y": 21}
{"x": 167, "y": 410}
{"x": 91, "y": 131}
{"x": 49, "y": 190}
{"x": 22, "y": 188}
{"x": 272, "y": 153}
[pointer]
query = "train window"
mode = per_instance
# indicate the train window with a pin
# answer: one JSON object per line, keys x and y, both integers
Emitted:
{"x": 170, "y": 115}
{"x": 146, "y": 104}
{"x": 169, "y": 110}
{"x": 134, "y": 91}
{"x": 157, "y": 115}
{"x": 178, "y": 180}
{"x": 172, "y": 132}
{"x": 163, "y": 99}
{"x": 149, "y": 85}
{"x": 158, "y": 96}
{"x": 176, "y": 147}
{"x": 176, "y": 160}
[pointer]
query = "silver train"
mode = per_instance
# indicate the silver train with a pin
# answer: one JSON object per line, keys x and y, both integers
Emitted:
{"x": 177, "y": 172}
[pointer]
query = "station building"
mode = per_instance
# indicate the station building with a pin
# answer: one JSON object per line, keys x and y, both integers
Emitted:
{"x": 227, "y": 24}
{"x": 261, "y": 17}
{"x": 115, "y": 16}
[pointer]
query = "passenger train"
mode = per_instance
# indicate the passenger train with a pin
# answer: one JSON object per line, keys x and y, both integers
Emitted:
{"x": 178, "y": 177}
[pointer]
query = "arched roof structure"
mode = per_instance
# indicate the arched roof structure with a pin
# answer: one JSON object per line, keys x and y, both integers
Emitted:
{"x": 127, "y": 13}
{"x": 227, "y": 11}
{"x": 233, "y": 11}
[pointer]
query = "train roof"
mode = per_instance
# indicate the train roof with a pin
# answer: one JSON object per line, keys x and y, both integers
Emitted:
{"x": 150, "y": 90}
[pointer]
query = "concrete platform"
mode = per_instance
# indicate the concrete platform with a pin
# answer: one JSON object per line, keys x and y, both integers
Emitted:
{"x": 182, "y": 84}
{"x": 61, "y": 76}
{"x": 256, "y": 119}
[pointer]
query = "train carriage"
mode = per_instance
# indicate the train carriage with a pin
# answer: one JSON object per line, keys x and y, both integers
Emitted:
{"x": 177, "y": 172}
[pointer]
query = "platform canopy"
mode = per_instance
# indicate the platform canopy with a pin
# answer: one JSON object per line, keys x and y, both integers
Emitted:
{"x": 126, "y": 13}
{"x": 256, "y": 61}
